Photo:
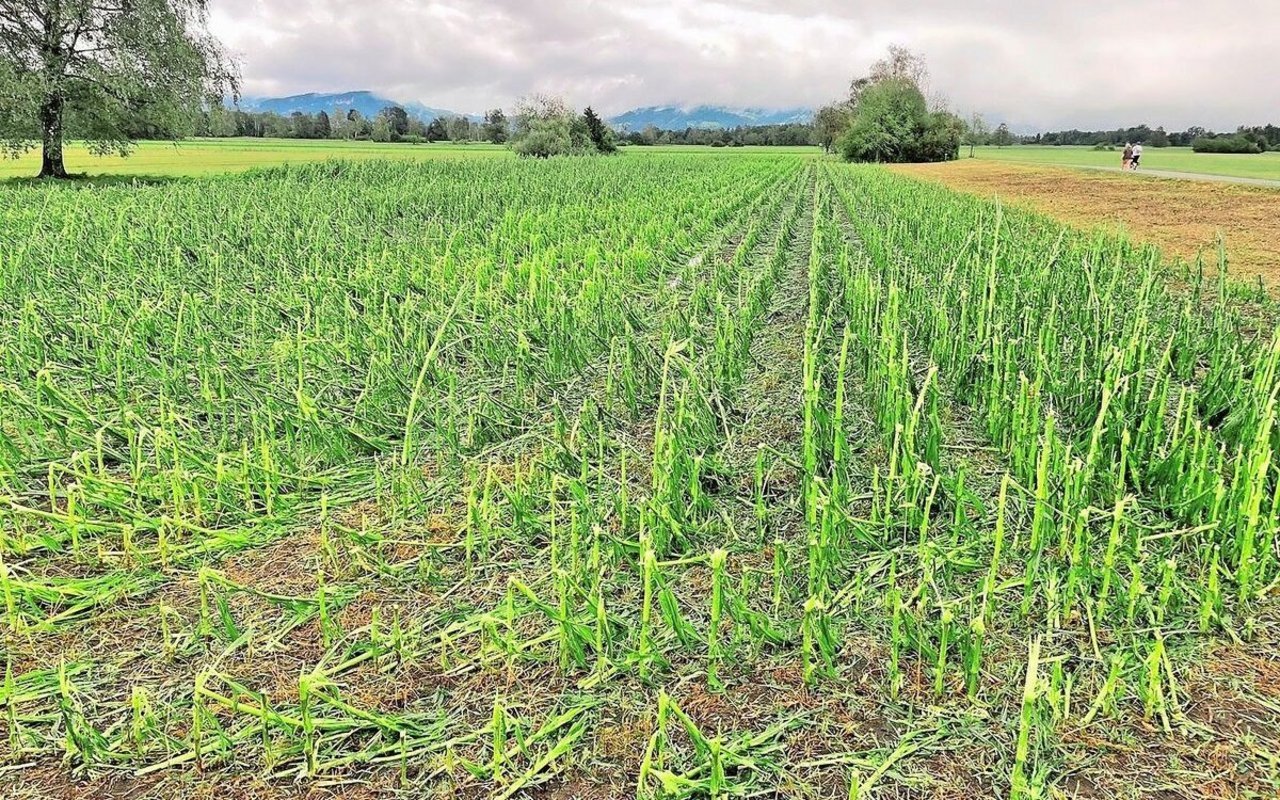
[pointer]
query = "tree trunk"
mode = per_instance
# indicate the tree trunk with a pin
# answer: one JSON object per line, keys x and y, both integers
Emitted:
{"x": 51, "y": 164}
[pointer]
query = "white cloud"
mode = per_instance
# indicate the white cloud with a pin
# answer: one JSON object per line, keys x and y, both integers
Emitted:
{"x": 1047, "y": 64}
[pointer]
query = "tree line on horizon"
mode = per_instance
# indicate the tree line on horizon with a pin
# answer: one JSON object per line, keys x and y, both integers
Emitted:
{"x": 1245, "y": 138}
{"x": 393, "y": 124}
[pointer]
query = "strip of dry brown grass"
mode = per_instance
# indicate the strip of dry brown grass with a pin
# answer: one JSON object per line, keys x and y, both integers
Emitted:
{"x": 1181, "y": 217}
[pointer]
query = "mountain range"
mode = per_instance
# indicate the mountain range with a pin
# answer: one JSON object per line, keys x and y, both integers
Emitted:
{"x": 367, "y": 103}
{"x": 662, "y": 117}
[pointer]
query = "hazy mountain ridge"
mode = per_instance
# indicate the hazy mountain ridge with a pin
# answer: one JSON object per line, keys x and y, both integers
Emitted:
{"x": 367, "y": 103}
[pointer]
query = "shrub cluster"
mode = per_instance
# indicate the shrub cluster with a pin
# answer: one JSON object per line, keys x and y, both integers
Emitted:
{"x": 1225, "y": 144}
{"x": 547, "y": 126}
{"x": 892, "y": 124}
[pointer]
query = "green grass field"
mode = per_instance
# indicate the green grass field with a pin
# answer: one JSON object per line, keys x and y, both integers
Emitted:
{"x": 1174, "y": 159}
{"x": 687, "y": 476}
{"x": 194, "y": 157}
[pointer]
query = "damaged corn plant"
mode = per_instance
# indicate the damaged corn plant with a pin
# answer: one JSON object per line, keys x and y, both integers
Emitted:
{"x": 665, "y": 476}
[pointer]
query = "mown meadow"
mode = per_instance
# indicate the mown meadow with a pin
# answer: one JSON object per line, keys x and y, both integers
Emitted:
{"x": 663, "y": 475}
{"x": 1264, "y": 166}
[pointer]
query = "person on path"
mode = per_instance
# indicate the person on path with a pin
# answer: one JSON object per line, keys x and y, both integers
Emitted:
{"x": 1137, "y": 154}
{"x": 1127, "y": 159}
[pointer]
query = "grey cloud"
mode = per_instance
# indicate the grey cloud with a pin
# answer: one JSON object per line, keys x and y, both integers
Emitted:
{"x": 1045, "y": 64}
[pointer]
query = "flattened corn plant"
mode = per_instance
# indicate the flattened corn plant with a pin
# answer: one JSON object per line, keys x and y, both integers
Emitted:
{"x": 663, "y": 475}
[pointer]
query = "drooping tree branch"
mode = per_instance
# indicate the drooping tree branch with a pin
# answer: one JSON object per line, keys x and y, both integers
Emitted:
{"x": 104, "y": 70}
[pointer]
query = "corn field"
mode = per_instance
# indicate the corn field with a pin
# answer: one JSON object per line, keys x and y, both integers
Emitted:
{"x": 660, "y": 476}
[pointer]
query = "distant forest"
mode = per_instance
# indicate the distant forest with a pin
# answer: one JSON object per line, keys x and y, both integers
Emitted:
{"x": 1264, "y": 137}
{"x": 393, "y": 124}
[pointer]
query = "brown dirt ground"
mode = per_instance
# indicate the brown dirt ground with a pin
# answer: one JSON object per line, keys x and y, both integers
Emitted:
{"x": 1181, "y": 217}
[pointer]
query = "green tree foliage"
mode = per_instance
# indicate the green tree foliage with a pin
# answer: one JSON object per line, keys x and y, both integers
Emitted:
{"x": 547, "y": 126}
{"x": 898, "y": 64}
{"x": 890, "y": 120}
{"x": 976, "y": 132}
{"x": 217, "y": 120}
{"x": 387, "y": 126}
{"x": 544, "y": 138}
{"x": 495, "y": 126}
{"x": 417, "y": 131}
{"x": 579, "y": 136}
{"x": 599, "y": 133}
{"x": 830, "y": 123}
{"x": 1268, "y": 135}
{"x": 458, "y": 129}
{"x": 100, "y": 71}
{"x": 397, "y": 121}
{"x": 304, "y": 125}
{"x": 1003, "y": 137}
{"x": 791, "y": 134}
{"x": 940, "y": 139}
{"x": 360, "y": 127}
{"x": 1226, "y": 144}
{"x": 1256, "y": 137}
{"x": 893, "y": 124}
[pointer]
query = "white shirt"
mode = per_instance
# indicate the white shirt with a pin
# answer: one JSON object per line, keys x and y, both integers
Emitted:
{"x": 1137, "y": 149}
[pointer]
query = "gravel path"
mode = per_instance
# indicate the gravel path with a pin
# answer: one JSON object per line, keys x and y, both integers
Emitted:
{"x": 1185, "y": 176}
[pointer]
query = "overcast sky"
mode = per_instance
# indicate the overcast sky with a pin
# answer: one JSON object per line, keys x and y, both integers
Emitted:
{"x": 1032, "y": 63}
